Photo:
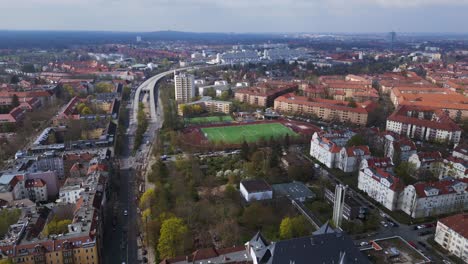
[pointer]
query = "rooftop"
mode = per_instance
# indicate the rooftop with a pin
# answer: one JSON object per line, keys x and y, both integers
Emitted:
{"x": 458, "y": 223}
{"x": 256, "y": 185}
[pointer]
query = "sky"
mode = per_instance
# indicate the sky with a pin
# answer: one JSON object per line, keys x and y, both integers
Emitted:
{"x": 242, "y": 16}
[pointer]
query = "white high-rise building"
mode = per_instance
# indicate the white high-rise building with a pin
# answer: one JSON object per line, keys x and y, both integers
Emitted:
{"x": 184, "y": 87}
{"x": 340, "y": 194}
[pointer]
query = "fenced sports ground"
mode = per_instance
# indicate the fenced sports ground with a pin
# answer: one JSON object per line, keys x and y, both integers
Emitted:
{"x": 249, "y": 133}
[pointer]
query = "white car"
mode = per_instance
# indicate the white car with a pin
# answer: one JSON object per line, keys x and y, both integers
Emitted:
{"x": 125, "y": 212}
{"x": 364, "y": 243}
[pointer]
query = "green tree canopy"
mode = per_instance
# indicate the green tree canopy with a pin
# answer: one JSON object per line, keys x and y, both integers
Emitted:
{"x": 293, "y": 227}
{"x": 7, "y": 218}
{"x": 356, "y": 140}
{"x": 56, "y": 226}
{"x": 173, "y": 238}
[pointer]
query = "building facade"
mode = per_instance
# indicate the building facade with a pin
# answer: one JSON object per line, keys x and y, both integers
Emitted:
{"x": 426, "y": 199}
{"x": 380, "y": 185}
{"x": 184, "y": 85}
{"x": 424, "y": 124}
{"x": 452, "y": 234}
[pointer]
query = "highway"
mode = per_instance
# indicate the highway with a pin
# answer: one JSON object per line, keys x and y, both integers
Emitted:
{"x": 150, "y": 85}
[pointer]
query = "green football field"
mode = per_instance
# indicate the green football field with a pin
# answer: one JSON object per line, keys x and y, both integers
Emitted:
{"x": 249, "y": 133}
{"x": 208, "y": 119}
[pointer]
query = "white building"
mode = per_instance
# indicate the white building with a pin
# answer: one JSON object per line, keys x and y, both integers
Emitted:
{"x": 350, "y": 158}
{"x": 70, "y": 194}
{"x": 460, "y": 151}
{"x": 430, "y": 199}
{"x": 428, "y": 161}
{"x": 395, "y": 146}
{"x": 452, "y": 234}
{"x": 424, "y": 124}
{"x": 380, "y": 185}
{"x": 256, "y": 190}
{"x": 326, "y": 147}
{"x": 455, "y": 167}
{"x": 184, "y": 87}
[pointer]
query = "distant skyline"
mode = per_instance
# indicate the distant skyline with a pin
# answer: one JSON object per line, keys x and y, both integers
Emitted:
{"x": 240, "y": 16}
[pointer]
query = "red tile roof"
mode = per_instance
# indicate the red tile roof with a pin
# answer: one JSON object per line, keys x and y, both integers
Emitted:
{"x": 31, "y": 183}
{"x": 442, "y": 122}
{"x": 458, "y": 223}
{"x": 444, "y": 186}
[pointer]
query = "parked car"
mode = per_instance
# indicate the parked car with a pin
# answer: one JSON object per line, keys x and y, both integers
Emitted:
{"x": 421, "y": 226}
{"x": 364, "y": 243}
{"x": 412, "y": 244}
{"x": 422, "y": 244}
{"x": 425, "y": 233}
{"x": 384, "y": 223}
{"x": 125, "y": 212}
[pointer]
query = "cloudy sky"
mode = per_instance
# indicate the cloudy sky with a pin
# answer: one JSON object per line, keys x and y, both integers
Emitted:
{"x": 237, "y": 15}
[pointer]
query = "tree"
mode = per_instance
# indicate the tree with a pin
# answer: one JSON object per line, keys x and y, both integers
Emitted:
{"x": 300, "y": 173}
{"x": 224, "y": 96}
{"x": 406, "y": 170}
{"x": 173, "y": 238}
{"x": 86, "y": 111}
{"x": 147, "y": 198}
{"x": 245, "y": 151}
{"x": 286, "y": 228}
{"x": 56, "y": 226}
{"x": 356, "y": 140}
{"x": 6, "y": 261}
{"x": 7, "y": 218}
{"x": 293, "y": 227}
{"x": 15, "y": 100}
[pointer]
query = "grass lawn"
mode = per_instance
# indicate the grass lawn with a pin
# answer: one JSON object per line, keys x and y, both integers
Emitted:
{"x": 208, "y": 120}
{"x": 249, "y": 133}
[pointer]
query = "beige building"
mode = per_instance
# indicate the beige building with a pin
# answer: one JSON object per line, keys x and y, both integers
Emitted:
{"x": 264, "y": 94}
{"x": 452, "y": 234}
{"x": 208, "y": 104}
{"x": 184, "y": 85}
{"x": 325, "y": 109}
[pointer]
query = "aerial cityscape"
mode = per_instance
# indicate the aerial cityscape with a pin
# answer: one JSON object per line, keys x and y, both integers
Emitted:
{"x": 226, "y": 138}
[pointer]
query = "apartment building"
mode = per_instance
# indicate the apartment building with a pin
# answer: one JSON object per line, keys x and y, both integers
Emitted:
{"x": 426, "y": 199}
{"x": 36, "y": 190}
{"x": 444, "y": 99}
{"x": 350, "y": 158}
{"x": 452, "y": 234}
{"x": 264, "y": 94}
{"x": 396, "y": 146}
{"x": 461, "y": 151}
{"x": 455, "y": 167}
{"x": 381, "y": 185}
{"x": 184, "y": 85}
{"x": 82, "y": 243}
{"x": 426, "y": 124}
{"x": 208, "y": 104}
{"x": 326, "y": 147}
{"x": 16, "y": 115}
{"x": 329, "y": 110}
{"x": 428, "y": 161}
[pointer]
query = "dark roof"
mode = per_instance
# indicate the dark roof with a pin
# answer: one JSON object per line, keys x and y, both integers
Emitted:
{"x": 323, "y": 249}
{"x": 258, "y": 185}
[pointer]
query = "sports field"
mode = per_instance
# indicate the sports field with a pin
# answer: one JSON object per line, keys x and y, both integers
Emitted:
{"x": 208, "y": 120}
{"x": 249, "y": 133}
